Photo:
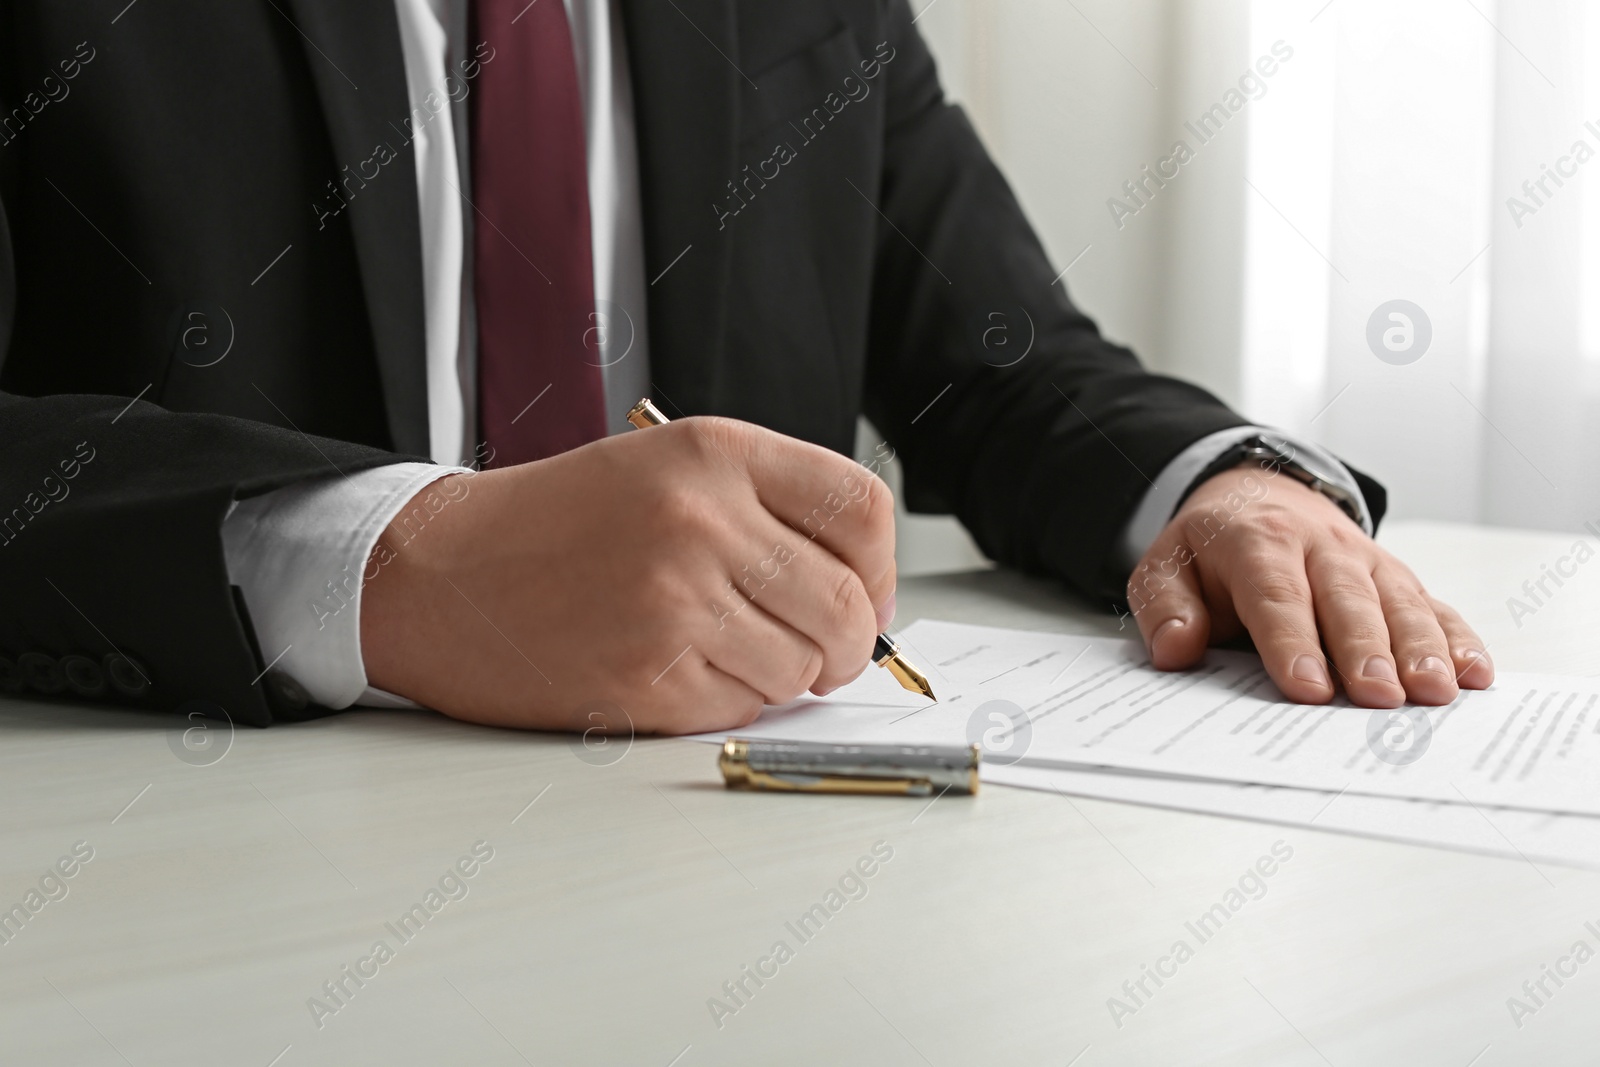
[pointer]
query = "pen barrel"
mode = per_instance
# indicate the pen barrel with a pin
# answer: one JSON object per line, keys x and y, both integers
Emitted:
{"x": 883, "y": 649}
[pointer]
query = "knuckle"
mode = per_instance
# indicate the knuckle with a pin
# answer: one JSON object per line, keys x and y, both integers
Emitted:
{"x": 1346, "y": 587}
{"x": 704, "y": 439}
{"x": 792, "y": 677}
{"x": 1402, "y": 592}
{"x": 846, "y": 605}
{"x": 1447, "y": 615}
{"x": 686, "y": 433}
{"x": 718, "y": 430}
{"x": 877, "y": 507}
{"x": 683, "y": 508}
{"x": 1456, "y": 630}
{"x": 666, "y": 604}
{"x": 1410, "y": 616}
{"x": 1145, "y": 586}
{"x": 659, "y": 583}
{"x": 803, "y": 676}
{"x": 1282, "y": 588}
{"x": 1395, "y": 571}
{"x": 1415, "y": 647}
{"x": 1275, "y": 528}
{"x": 1347, "y": 535}
{"x": 1408, "y": 604}
{"x": 1364, "y": 635}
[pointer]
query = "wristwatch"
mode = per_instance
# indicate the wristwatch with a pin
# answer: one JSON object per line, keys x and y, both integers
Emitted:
{"x": 1310, "y": 467}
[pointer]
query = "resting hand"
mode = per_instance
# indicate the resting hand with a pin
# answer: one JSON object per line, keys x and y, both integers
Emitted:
{"x": 1251, "y": 550}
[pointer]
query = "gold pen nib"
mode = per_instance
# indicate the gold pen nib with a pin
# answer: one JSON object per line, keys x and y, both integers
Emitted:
{"x": 886, "y": 654}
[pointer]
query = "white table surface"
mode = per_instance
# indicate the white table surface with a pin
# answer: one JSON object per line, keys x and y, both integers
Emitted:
{"x": 614, "y": 907}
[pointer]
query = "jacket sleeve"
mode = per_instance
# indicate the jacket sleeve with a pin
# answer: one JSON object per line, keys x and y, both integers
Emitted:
{"x": 1004, "y": 403}
{"x": 113, "y": 579}
{"x": 113, "y": 583}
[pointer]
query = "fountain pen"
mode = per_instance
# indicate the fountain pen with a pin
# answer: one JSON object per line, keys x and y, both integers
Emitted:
{"x": 885, "y": 653}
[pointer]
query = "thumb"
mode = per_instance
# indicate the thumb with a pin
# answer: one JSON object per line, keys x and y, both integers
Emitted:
{"x": 1165, "y": 599}
{"x": 885, "y": 611}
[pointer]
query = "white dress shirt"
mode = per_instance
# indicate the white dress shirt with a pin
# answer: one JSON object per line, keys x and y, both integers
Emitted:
{"x": 298, "y": 553}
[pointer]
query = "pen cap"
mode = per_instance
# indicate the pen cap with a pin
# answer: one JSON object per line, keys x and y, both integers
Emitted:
{"x": 941, "y": 766}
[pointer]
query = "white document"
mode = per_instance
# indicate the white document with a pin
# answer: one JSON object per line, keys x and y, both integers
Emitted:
{"x": 1535, "y": 836}
{"x": 1533, "y": 741}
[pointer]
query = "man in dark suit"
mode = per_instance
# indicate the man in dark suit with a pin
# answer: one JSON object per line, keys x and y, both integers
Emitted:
{"x": 260, "y": 262}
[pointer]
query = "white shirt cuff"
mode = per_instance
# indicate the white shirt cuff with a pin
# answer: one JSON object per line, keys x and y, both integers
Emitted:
{"x": 298, "y": 555}
{"x": 1161, "y": 499}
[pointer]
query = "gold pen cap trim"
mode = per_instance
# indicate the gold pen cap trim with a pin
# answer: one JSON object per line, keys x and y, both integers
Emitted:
{"x": 735, "y": 763}
{"x": 645, "y": 414}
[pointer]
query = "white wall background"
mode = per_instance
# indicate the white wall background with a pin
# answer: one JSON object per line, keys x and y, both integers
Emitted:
{"x": 1375, "y": 164}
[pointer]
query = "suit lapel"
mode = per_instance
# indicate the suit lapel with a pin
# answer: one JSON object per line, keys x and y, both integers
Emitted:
{"x": 685, "y": 92}
{"x": 353, "y": 50}
{"x": 681, "y": 56}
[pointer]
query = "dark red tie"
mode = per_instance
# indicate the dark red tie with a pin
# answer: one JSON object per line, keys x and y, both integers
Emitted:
{"x": 539, "y": 386}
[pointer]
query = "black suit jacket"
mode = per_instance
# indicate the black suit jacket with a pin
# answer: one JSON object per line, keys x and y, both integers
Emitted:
{"x": 825, "y": 233}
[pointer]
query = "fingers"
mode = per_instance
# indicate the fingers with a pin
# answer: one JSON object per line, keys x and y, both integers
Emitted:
{"x": 830, "y": 500}
{"x": 1166, "y": 600}
{"x": 812, "y": 592}
{"x": 765, "y": 653}
{"x": 1357, "y": 625}
{"x": 1415, "y": 636}
{"x": 1474, "y": 669}
{"x": 801, "y": 531}
{"x": 1272, "y": 596}
{"x": 700, "y": 697}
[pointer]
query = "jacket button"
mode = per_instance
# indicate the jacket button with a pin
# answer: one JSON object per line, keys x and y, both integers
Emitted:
{"x": 11, "y": 677}
{"x": 84, "y": 676}
{"x": 287, "y": 690}
{"x": 127, "y": 674}
{"x": 43, "y": 673}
